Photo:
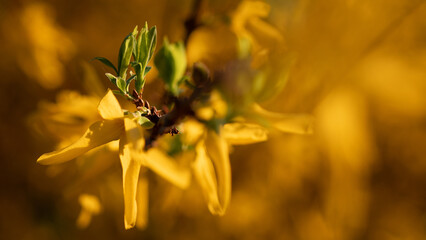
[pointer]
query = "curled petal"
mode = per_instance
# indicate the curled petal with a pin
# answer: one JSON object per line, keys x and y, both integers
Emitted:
{"x": 244, "y": 133}
{"x": 291, "y": 123}
{"x": 142, "y": 201}
{"x": 166, "y": 167}
{"x": 131, "y": 170}
{"x": 109, "y": 108}
{"x": 99, "y": 133}
{"x": 217, "y": 150}
{"x": 205, "y": 174}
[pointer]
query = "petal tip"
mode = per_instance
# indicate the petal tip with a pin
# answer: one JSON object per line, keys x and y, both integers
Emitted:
{"x": 47, "y": 159}
{"x": 108, "y": 107}
{"x": 41, "y": 160}
{"x": 128, "y": 226}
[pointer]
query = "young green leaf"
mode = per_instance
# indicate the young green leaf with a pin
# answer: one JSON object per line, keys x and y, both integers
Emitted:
{"x": 153, "y": 41}
{"x": 121, "y": 84}
{"x": 139, "y": 44}
{"x": 118, "y": 92}
{"x": 106, "y": 62}
{"x": 135, "y": 31}
{"x": 147, "y": 69}
{"x": 145, "y": 122}
{"x": 112, "y": 78}
{"x": 140, "y": 80}
{"x": 145, "y": 47}
{"x": 143, "y": 44}
{"x": 125, "y": 55}
{"x": 128, "y": 81}
{"x": 147, "y": 44}
{"x": 135, "y": 34}
{"x": 171, "y": 64}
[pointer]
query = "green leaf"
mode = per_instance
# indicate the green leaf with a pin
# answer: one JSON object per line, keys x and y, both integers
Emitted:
{"x": 118, "y": 92}
{"x": 147, "y": 42}
{"x": 145, "y": 122}
{"x": 147, "y": 69}
{"x": 171, "y": 64}
{"x": 153, "y": 41}
{"x": 112, "y": 78}
{"x": 106, "y": 62}
{"x": 121, "y": 84}
{"x": 135, "y": 31}
{"x": 140, "y": 80}
{"x": 145, "y": 47}
{"x": 130, "y": 80}
{"x": 139, "y": 44}
{"x": 134, "y": 50}
{"x": 140, "y": 75}
{"x": 125, "y": 55}
{"x": 133, "y": 63}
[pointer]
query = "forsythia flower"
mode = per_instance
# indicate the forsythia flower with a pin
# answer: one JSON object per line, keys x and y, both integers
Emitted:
{"x": 67, "y": 118}
{"x": 212, "y": 167}
{"x": 133, "y": 157}
{"x": 246, "y": 35}
{"x": 248, "y": 25}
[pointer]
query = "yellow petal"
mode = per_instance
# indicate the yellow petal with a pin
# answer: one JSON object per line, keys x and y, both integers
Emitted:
{"x": 217, "y": 150}
{"x": 243, "y": 133}
{"x": 265, "y": 32}
{"x": 219, "y": 105}
{"x": 205, "y": 174}
{"x": 166, "y": 167}
{"x": 134, "y": 136}
{"x": 131, "y": 170}
{"x": 109, "y": 108}
{"x": 246, "y": 11}
{"x": 291, "y": 123}
{"x": 156, "y": 160}
{"x": 99, "y": 133}
{"x": 142, "y": 201}
{"x": 90, "y": 203}
{"x": 205, "y": 113}
{"x": 192, "y": 130}
{"x": 90, "y": 206}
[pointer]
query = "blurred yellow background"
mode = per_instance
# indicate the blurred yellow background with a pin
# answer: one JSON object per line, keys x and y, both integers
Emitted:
{"x": 359, "y": 69}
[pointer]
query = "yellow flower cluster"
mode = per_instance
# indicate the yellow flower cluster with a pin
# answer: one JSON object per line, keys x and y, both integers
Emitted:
{"x": 211, "y": 166}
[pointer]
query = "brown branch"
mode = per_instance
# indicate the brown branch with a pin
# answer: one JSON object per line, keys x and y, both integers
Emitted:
{"x": 165, "y": 123}
{"x": 191, "y": 23}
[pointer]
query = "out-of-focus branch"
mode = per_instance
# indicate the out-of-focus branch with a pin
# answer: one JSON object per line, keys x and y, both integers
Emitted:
{"x": 191, "y": 23}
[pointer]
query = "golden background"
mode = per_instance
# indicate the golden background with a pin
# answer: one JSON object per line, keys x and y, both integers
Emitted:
{"x": 360, "y": 71}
